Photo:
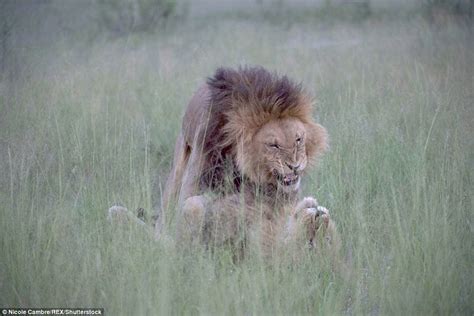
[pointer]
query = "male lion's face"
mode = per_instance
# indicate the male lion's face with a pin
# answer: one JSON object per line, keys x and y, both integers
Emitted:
{"x": 279, "y": 153}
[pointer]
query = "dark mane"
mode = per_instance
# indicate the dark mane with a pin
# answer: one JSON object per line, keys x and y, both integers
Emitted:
{"x": 261, "y": 96}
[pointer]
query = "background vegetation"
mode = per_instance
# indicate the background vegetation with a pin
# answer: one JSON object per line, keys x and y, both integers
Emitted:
{"x": 89, "y": 116}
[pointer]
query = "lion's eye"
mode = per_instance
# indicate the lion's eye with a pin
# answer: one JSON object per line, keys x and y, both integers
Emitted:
{"x": 276, "y": 146}
{"x": 299, "y": 140}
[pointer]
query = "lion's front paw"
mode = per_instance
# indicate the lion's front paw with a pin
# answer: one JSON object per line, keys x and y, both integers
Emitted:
{"x": 314, "y": 217}
{"x": 308, "y": 211}
{"x": 321, "y": 216}
{"x": 310, "y": 218}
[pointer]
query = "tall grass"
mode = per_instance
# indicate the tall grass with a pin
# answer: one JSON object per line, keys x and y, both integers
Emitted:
{"x": 82, "y": 133}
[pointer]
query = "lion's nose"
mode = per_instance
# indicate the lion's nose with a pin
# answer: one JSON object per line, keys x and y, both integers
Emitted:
{"x": 293, "y": 167}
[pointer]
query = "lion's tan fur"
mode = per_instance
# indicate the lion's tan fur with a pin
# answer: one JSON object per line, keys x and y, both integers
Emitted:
{"x": 222, "y": 180}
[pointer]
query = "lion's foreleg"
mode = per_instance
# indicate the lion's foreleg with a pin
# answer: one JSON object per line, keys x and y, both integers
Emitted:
{"x": 191, "y": 174}
{"x": 175, "y": 178}
{"x": 212, "y": 221}
{"x": 192, "y": 221}
{"x": 310, "y": 224}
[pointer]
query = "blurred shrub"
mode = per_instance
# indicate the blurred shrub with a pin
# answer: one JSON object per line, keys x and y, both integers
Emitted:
{"x": 126, "y": 16}
{"x": 284, "y": 11}
{"x": 458, "y": 7}
{"x": 355, "y": 10}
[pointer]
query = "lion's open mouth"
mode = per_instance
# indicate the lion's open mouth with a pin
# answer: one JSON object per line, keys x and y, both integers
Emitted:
{"x": 288, "y": 179}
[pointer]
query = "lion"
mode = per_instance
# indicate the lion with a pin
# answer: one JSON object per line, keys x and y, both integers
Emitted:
{"x": 247, "y": 139}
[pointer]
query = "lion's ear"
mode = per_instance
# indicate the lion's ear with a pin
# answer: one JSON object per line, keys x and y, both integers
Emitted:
{"x": 316, "y": 140}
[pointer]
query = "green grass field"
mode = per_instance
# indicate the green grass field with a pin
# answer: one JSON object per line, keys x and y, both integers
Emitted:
{"x": 90, "y": 128}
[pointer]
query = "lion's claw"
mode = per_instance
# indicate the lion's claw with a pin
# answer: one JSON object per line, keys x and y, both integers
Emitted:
{"x": 314, "y": 216}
